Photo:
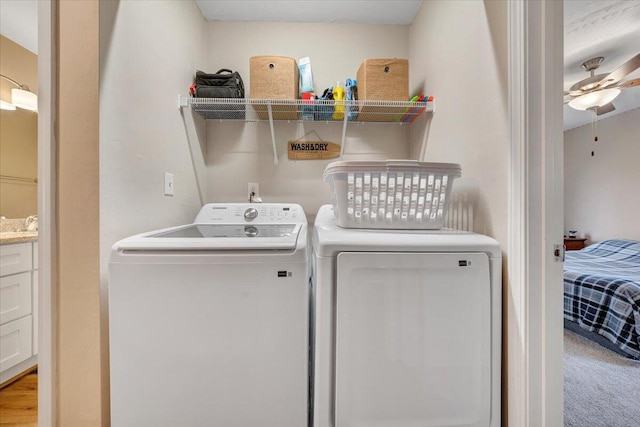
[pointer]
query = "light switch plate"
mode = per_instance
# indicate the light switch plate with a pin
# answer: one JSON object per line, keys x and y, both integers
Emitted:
{"x": 168, "y": 184}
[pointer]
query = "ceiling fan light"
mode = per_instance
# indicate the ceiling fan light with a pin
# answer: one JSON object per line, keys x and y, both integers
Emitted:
{"x": 594, "y": 99}
{"x": 4, "y": 105}
{"x": 24, "y": 99}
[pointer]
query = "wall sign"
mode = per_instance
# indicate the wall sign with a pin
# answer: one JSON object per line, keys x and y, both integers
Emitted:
{"x": 313, "y": 150}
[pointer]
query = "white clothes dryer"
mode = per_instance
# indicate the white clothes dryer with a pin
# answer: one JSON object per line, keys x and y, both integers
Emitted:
{"x": 209, "y": 322}
{"x": 407, "y": 327}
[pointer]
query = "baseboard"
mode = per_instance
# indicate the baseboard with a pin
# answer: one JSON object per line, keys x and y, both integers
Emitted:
{"x": 16, "y": 372}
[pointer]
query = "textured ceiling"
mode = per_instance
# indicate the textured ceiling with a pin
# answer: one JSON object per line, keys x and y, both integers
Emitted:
{"x": 373, "y": 12}
{"x": 600, "y": 28}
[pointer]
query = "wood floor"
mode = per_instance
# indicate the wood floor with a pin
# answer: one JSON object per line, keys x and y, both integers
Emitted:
{"x": 19, "y": 402}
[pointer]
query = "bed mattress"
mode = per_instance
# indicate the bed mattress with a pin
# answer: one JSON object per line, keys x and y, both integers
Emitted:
{"x": 602, "y": 292}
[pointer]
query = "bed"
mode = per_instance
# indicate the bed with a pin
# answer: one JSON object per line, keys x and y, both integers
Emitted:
{"x": 602, "y": 292}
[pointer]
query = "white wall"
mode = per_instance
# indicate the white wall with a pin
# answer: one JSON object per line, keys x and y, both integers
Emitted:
{"x": 458, "y": 52}
{"x": 238, "y": 153}
{"x": 602, "y": 192}
{"x": 149, "y": 51}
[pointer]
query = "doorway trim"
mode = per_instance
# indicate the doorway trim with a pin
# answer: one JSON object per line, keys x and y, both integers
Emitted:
{"x": 534, "y": 291}
{"x": 47, "y": 242}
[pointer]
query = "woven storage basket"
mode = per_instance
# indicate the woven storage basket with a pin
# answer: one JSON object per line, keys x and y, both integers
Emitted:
{"x": 274, "y": 77}
{"x": 382, "y": 80}
{"x": 392, "y": 194}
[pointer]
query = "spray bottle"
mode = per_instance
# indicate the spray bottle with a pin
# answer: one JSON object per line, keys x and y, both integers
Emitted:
{"x": 338, "y": 96}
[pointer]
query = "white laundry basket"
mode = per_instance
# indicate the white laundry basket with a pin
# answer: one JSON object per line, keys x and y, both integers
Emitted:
{"x": 391, "y": 194}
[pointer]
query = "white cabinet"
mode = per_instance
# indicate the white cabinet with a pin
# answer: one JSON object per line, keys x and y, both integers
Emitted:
{"x": 18, "y": 308}
{"x": 16, "y": 258}
{"x": 34, "y": 298}
{"x": 15, "y": 342}
{"x": 34, "y": 309}
{"x": 15, "y": 296}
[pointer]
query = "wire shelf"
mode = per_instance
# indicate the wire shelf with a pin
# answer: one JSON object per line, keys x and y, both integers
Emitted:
{"x": 394, "y": 112}
{"x": 298, "y": 110}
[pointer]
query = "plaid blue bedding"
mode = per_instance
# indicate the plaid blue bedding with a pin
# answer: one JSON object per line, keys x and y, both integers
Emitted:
{"x": 602, "y": 291}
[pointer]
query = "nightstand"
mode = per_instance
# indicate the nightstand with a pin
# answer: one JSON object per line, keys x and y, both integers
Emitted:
{"x": 574, "y": 244}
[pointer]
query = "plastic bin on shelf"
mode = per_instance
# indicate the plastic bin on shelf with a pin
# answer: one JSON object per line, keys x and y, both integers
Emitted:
{"x": 391, "y": 194}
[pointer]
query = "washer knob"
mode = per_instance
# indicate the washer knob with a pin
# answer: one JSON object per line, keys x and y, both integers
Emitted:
{"x": 250, "y": 214}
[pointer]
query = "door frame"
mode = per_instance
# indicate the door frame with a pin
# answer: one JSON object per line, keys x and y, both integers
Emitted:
{"x": 47, "y": 242}
{"x": 533, "y": 297}
{"x": 533, "y": 356}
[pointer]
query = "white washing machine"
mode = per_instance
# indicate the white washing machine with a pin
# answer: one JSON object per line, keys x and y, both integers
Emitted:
{"x": 209, "y": 322}
{"x": 407, "y": 327}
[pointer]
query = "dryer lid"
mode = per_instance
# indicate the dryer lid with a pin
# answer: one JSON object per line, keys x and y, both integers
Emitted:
{"x": 329, "y": 239}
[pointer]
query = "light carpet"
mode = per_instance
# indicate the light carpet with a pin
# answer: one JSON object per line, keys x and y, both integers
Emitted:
{"x": 601, "y": 388}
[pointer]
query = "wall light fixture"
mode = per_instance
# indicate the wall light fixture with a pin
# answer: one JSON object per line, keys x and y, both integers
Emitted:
{"x": 21, "y": 97}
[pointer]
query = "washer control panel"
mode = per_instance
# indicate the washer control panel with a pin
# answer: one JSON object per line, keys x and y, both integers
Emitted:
{"x": 253, "y": 213}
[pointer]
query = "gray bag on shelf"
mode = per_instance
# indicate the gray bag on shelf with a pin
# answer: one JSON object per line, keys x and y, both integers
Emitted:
{"x": 222, "y": 84}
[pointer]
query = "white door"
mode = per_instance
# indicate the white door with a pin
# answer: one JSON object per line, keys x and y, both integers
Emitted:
{"x": 413, "y": 340}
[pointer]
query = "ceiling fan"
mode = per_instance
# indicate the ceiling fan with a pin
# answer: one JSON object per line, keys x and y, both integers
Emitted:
{"x": 597, "y": 91}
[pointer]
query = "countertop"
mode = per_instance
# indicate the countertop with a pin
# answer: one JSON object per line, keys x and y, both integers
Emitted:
{"x": 18, "y": 237}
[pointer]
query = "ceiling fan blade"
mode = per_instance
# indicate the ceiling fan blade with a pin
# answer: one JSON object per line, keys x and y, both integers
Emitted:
{"x": 606, "y": 108}
{"x": 630, "y": 83}
{"x": 617, "y": 75}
